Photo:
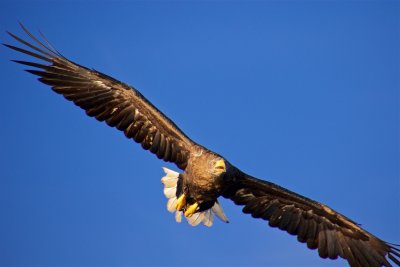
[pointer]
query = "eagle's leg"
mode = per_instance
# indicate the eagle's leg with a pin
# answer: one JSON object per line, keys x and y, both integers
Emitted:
{"x": 191, "y": 209}
{"x": 181, "y": 202}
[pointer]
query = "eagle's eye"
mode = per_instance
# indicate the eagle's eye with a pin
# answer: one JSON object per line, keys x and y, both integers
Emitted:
{"x": 220, "y": 165}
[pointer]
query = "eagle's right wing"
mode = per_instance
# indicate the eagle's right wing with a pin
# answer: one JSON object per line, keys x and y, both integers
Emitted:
{"x": 313, "y": 223}
{"x": 109, "y": 100}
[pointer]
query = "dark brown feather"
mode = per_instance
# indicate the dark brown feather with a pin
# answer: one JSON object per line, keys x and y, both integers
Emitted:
{"x": 320, "y": 227}
{"x": 302, "y": 230}
{"x": 287, "y": 216}
{"x": 294, "y": 222}
{"x": 107, "y": 99}
{"x": 313, "y": 231}
{"x": 321, "y": 241}
{"x": 332, "y": 246}
{"x": 161, "y": 149}
{"x": 392, "y": 258}
{"x": 275, "y": 217}
{"x": 270, "y": 209}
{"x": 29, "y": 53}
{"x": 133, "y": 128}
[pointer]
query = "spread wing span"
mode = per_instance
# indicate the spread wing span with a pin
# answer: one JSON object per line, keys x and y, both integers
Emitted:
{"x": 123, "y": 107}
{"x": 313, "y": 223}
{"x": 107, "y": 99}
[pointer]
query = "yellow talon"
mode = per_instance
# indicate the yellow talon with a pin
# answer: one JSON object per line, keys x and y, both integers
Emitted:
{"x": 191, "y": 209}
{"x": 181, "y": 202}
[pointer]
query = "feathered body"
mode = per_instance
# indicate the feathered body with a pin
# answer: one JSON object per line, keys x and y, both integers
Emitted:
{"x": 201, "y": 181}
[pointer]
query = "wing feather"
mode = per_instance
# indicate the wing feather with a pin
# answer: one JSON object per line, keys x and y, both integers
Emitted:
{"x": 315, "y": 224}
{"x": 107, "y": 99}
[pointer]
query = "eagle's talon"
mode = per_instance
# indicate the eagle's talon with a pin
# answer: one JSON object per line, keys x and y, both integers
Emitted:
{"x": 181, "y": 202}
{"x": 191, "y": 209}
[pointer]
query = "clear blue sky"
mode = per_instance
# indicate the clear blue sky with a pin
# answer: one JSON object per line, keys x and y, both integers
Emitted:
{"x": 304, "y": 94}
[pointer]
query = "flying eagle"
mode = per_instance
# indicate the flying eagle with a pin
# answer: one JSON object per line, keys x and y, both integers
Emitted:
{"x": 206, "y": 175}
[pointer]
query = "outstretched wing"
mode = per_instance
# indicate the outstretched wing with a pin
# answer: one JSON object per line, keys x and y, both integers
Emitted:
{"x": 107, "y": 99}
{"x": 313, "y": 223}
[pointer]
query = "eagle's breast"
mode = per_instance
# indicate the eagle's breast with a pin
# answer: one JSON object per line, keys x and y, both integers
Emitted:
{"x": 201, "y": 181}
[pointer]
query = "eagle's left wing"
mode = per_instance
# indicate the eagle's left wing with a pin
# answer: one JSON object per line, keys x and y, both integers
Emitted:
{"x": 107, "y": 99}
{"x": 313, "y": 223}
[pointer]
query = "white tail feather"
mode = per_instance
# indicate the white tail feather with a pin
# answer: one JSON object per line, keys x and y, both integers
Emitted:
{"x": 171, "y": 173}
{"x": 196, "y": 218}
{"x": 208, "y": 218}
{"x": 171, "y": 204}
{"x": 217, "y": 209}
{"x": 170, "y": 181}
{"x": 178, "y": 216}
{"x": 170, "y": 192}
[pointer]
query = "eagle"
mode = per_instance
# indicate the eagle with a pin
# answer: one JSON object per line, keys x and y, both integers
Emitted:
{"x": 205, "y": 175}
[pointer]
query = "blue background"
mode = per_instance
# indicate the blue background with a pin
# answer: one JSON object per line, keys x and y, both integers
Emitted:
{"x": 304, "y": 94}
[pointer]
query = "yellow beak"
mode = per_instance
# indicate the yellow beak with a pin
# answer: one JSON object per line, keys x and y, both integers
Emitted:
{"x": 220, "y": 165}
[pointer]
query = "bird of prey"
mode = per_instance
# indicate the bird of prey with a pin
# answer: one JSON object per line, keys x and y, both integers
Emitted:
{"x": 193, "y": 194}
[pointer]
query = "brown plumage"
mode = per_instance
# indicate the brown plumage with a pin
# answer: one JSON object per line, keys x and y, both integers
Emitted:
{"x": 206, "y": 175}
